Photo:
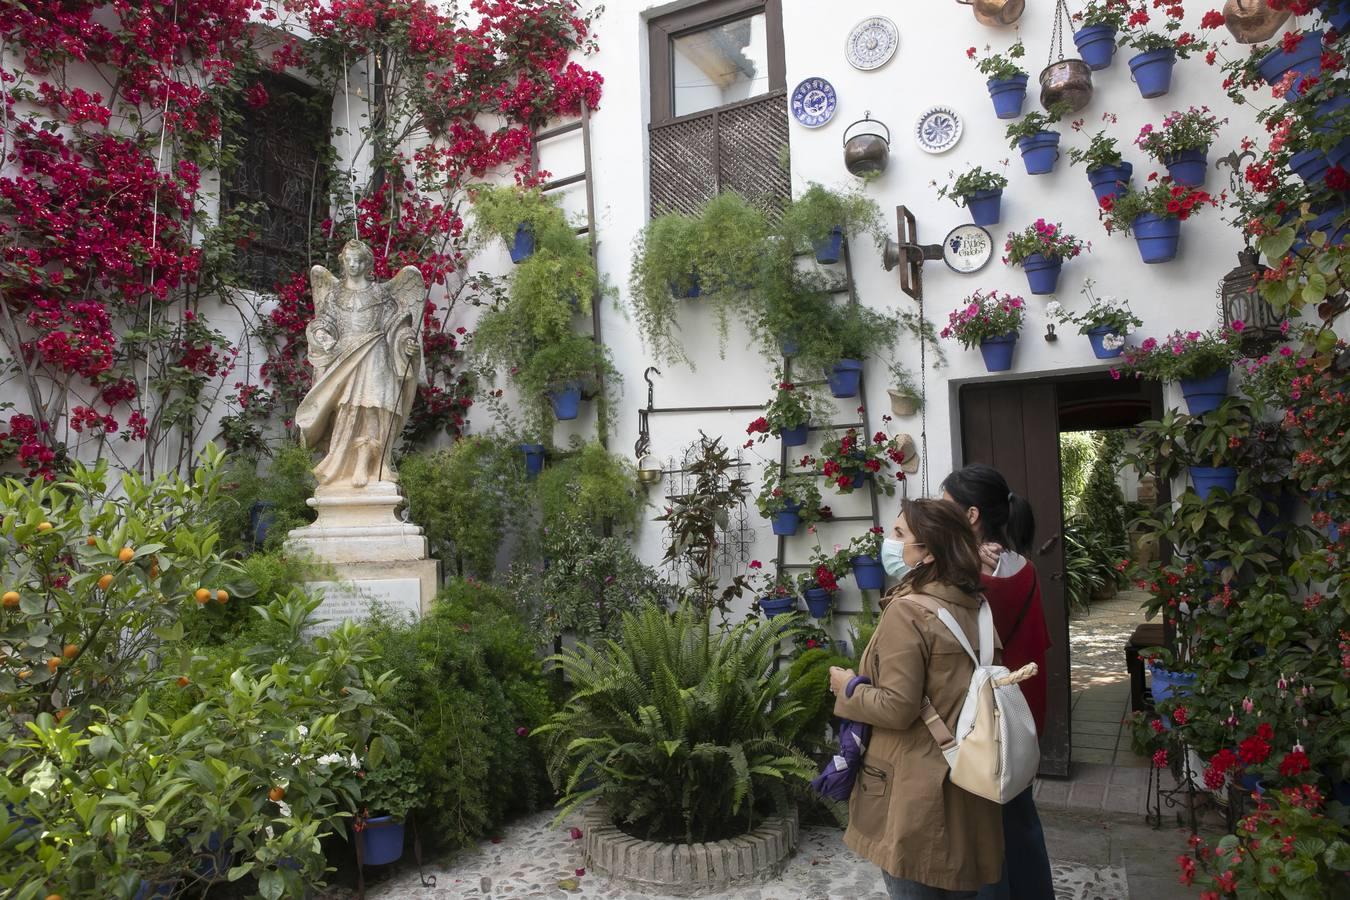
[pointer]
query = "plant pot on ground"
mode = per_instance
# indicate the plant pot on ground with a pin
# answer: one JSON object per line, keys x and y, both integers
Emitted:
{"x": 821, "y": 218}
{"x": 980, "y": 191}
{"x": 389, "y": 791}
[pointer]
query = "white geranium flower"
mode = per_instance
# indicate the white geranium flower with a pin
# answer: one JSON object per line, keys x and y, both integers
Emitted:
{"x": 1112, "y": 341}
{"x": 1054, "y": 308}
{"x": 1129, "y": 329}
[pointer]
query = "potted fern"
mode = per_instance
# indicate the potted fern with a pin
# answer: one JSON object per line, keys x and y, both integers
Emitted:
{"x": 523, "y": 218}
{"x": 980, "y": 191}
{"x": 846, "y": 335}
{"x": 821, "y": 218}
{"x": 561, "y": 371}
{"x": 904, "y": 393}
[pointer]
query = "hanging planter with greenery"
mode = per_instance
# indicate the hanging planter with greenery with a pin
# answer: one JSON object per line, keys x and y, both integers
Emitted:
{"x": 1154, "y": 214}
{"x": 980, "y": 191}
{"x": 990, "y": 321}
{"x": 787, "y": 415}
{"x": 590, "y": 486}
{"x": 864, "y": 556}
{"x": 1107, "y": 322}
{"x": 1182, "y": 144}
{"x": 563, "y": 371}
{"x": 1041, "y": 249}
{"x": 906, "y": 399}
{"x": 788, "y": 500}
{"x": 1200, "y": 361}
{"x": 821, "y": 218}
{"x": 844, "y": 336}
{"x": 1157, "y": 52}
{"x": 524, "y": 219}
{"x": 1296, "y": 60}
{"x": 1038, "y": 144}
{"x": 1107, "y": 171}
{"x": 1098, "y": 23}
{"x": 774, "y": 594}
{"x": 848, "y": 459}
{"x": 1007, "y": 80}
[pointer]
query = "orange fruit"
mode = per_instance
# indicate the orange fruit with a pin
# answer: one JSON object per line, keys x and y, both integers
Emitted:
{"x": 202, "y": 595}
{"x": 10, "y": 600}
{"x": 24, "y": 673}
{"x": 44, "y": 526}
{"x": 70, "y": 651}
{"x": 276, "y": 794}
{"x": 222, "y": 597}
{"x": 53, "y": 897}
{"x": 183, "y": 681}
{"x": 62, "y": 713}
{"x": 91, "y": 541}
{"x": 105, "y": 582}
{"x": 126, "y": 554}
{"x": 53, "y": 663}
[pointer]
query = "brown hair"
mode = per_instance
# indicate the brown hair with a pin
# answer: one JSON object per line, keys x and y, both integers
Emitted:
{"x": 947, "y": 536}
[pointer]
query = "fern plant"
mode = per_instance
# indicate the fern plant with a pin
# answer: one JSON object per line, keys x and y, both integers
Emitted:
{"x": 678, "y": 729}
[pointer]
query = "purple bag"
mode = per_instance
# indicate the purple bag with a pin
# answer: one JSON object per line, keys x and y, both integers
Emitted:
{"x": 835, "y": 781}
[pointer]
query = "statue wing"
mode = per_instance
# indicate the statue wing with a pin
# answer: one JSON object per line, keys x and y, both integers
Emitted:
{"x": 324, "y": 285}
{"x": 409, "y": 292}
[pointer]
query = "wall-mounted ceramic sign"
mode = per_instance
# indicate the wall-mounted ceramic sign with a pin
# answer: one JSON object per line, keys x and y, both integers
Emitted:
{"x": 967, "y": 248}
{"x": 871, "y": 43}
{"x": 813, "y": 102}
{"x": 938, "y": 130}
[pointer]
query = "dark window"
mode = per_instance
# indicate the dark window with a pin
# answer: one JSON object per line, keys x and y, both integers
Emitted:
{"x": 719, "y": 109}
{"x": 278, "y": 184}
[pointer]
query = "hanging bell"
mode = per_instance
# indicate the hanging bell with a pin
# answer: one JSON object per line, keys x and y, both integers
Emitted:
{"x": 868, "y": 151}
{"x": 995, "y": 12}
{"x": 1068, "y": 81}
{"x": 1253, "y": 21}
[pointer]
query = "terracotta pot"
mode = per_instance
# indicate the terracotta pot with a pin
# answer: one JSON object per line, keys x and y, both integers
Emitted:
{"x": 1253, "y": 21}
{"x": 903, "y": 404}
{"x": 995, "y": 12}
{"x": 1067, "y": 81}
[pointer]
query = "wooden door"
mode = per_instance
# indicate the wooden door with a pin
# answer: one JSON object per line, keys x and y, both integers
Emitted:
{"x": 1014, "y": 427}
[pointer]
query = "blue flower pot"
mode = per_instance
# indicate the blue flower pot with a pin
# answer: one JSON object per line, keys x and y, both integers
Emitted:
{"x": 693, "y": 291}
{"x": 534, "y": 458}
{"x": 1251, "y": 783}
{"x": 1339, "y": 155}
{"x": 566, "y": 401}
{"x": 1310, "y": 165}
{"x": 1277, "y": 511}
{"x": 845, "y": 378}
{"x": 23, "y": 832}
{"x": 1110, "y": 181}
{"x": 260, "y": 519}
{"x": 1188, "y": 167}
{"x": 1203, "y": 395}
{"x": 998, "y": 352}
{"x": 1207, "y": 478}
{"x": 787, "y": 520}
{"x": 777, "y": 606}
{"x": 1337, "y": 14}
{"x": 829, "y": 249}
{"x": 1152, "y": 72}
{"x": 795, "y": 437}
{"x": 214, "y": 859}
{"x": 1096, "y": 336}
{"x": 381, "y": 841}
{"x": 1326, "y": 110}
{"x": 1042, "y": 273}
{"x": 160, "y": 890}
{"x": 1096, "y": 45}
{"x": 818, "y": 601}
{"x": 1306, "y": 60}
{"x": 1158, "y": 237}
{"x": 1332, "y": 222}
{"x": 859, "y": 480}
{"x": 1168, "y": 684}
{"x": 522, "y": 248}
{"x": 789, "y": 346}
{"x": 1008, "y": 95}
{"x": 985, "y": 206}
{"x": 868, "y": 573}
{"x": 1040, "y": 152}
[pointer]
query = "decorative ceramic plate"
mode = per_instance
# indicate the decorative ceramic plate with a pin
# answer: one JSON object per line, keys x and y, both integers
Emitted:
{"x": 938, "y": 130}
{"x": 967, "y": 248}
{"x": 871, "y": 43}
{"x": 813, "y": 102}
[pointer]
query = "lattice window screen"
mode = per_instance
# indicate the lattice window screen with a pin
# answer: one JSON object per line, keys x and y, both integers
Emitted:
{"x": 741, "y": 149}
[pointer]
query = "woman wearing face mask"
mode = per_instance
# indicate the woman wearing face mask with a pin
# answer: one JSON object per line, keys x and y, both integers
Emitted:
{"x": 932, "y": 840}
{"x": 1006, "y": 526}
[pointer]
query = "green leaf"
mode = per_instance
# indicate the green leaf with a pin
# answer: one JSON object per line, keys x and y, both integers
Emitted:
{"x": 1315, "y": 289}
{"x": 1277, "y": 244}
{"x": 156, "y": 828}
{"x": 271, "y": 884}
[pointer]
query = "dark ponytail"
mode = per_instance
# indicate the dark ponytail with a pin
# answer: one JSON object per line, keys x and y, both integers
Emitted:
{"x": 1004, "y": 516}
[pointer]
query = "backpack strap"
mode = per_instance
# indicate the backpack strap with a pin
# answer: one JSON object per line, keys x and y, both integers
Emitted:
{"x": 946, "y": 741}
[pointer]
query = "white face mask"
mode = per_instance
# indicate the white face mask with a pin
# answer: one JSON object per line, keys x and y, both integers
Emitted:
{"x": 893, "y": 557}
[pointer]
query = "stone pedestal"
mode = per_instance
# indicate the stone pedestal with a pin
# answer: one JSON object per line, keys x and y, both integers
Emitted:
{"x": 375, "y": 557}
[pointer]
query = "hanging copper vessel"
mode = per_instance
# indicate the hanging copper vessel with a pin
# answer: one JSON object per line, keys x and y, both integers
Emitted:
{"x": 996, "y": 12}
{"x": 867, "y": 150}
{"x": 1067, "y": 81}
{"x": 1253, "y": 21}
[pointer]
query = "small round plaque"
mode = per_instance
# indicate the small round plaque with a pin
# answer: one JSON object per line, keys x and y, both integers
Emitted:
{"x": 967, "y": 248}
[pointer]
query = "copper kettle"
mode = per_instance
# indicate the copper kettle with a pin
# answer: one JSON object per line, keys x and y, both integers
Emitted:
{"x": 1253, "y": 21}
{"x": 996, "y": 12}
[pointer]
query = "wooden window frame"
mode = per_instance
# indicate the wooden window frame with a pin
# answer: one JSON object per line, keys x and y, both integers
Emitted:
{"x": 662, "y": 31}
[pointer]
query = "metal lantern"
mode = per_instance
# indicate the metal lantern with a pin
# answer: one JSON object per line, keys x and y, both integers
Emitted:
{"x": 868, "y": 151}
{"x": 1242, "y": 302}
{"x": 1066, "y": 82}
{"x": 1253, "y": 21}
{"x": 995, "y": 12}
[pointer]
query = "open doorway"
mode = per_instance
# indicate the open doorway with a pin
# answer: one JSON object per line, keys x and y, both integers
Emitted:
{"x": 1018, "y": 427}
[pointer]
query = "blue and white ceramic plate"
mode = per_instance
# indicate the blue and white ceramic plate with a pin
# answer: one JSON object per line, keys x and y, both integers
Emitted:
{"x": 871, "y": 43}
{"x": 967, "y": 248}
{"x": 938, "y": 130}
{"x": 813, "y": 102}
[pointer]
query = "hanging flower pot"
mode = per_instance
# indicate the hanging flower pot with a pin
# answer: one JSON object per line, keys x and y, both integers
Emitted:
{"x": 795, "y": 437}
{"x": 998, "y": 352}
{"x": 1042, "y": 272}
{"x": 1152, "y": 72}
{"x": 381, "y": 840}
{"x": 1325, "y": 222}
{"x": 830, "y": 248}
{"x": 903, "y": 405}
{"x": 1207, "y": 478}
{"x": 1304, "y": 58}
{"x": 777, "y": 606}
{"x": 1110, "y": 181}
{"x": 1158, "y": 237}
{"x": 1097, "y": 336}
{"x": 522, "y": 248}
{"x": 1168, "y": 684}
{"x": 689, "y": 290}
{"x": 566, "y": 401}
{"x": 845, "y": 378}
{"x": 1253, "y": 21}
{"x": 789, "y": 346}
{"x": 1040, "y": 152}
{"x": 985, "y": 207}
{"x": 1097, "y": 45}
{"x": 1067, "y": 83}
{"x": 1204, "y": 394}
{"x": 818, "y": 601}
{"x": 534, "y": 458}
{"x": 1188, "y": 167}
{"x": 868, "y": 573}
{"x": 1337, "y": 13}
{"x": 1310, "y": 165}
{"x": 1008, "y": 94}
{"x": 787, "y": 520}
{"x": 159, "y": 890}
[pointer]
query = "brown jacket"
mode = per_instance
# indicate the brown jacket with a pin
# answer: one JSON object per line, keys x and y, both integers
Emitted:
{"x": 904, "y": 813}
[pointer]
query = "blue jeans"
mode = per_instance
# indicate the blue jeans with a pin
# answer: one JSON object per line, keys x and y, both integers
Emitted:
{"x": 1026, "y": 864}
{"x": 904, "y": 889}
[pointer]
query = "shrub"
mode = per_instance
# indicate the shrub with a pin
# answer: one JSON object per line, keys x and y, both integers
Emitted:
{"x": 589, "y": 489}
{"x": 1077, "y": 452}
{"x": 276, "y": 490}
{"x": 677, "y": 728}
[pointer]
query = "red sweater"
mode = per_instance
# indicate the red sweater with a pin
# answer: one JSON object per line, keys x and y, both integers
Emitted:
{"x": 1008, "y": 597}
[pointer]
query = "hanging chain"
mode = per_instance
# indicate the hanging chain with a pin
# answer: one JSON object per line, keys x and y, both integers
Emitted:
{"x": 1057, "y": 35}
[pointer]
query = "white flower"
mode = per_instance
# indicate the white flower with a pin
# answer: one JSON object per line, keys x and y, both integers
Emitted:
{"x": 329, "y": 759}
{"x": 1054, "y": 308}
{"x": 303, "y": 729}
{"x": 1129, "y": 329}
{"x": 1112, "y": 341}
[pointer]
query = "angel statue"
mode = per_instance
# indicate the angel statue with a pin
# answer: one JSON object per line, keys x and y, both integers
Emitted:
{"x": 363, "y": 344}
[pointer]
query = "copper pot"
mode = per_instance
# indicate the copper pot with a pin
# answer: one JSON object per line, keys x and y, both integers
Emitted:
{"x": 1253, "y": 21}
{"x": 867, "y": 151}
{"x": 1067, "y": 81}
{"x": 996, "y": 12}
